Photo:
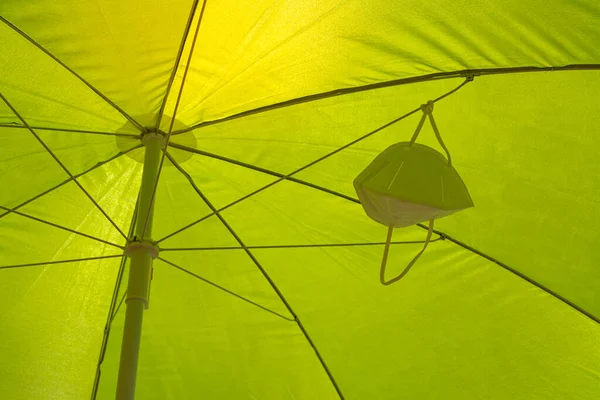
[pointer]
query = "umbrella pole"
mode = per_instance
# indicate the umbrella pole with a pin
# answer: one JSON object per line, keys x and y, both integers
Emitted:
{"x": 142, "y": 252}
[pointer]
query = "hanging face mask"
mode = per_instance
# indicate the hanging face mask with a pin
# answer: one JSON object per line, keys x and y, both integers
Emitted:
{"x": 411, "y": 183}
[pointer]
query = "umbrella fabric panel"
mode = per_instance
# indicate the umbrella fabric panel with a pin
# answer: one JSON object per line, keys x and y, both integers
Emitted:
{"x": 113, "y": 186}
{"x": 52, "y": 320}
{"x": 26, "y": 167}
{"x": 26, "y": 241}
{"x": 68, "y": 206}
{"x": 538, "y": 186}
{"x": 456, "y": 325}
{"x": 201, "y": 342}
{"x": 222, "y": 181}
{"x": 126, "y": 50}
{"x": 242, "y": 60}
{"x": 57, "y": 292}
{"x": 176, "y": 203}
{"x": 525, "y": 146}
{"x": 208, "y": 233}
{"x": 252, "y": 54}
{"x": 45, "y": 93}
{"x": 30, "y": 169}
{"x": 290, "y": 214}
{"x": 79, "y": 152}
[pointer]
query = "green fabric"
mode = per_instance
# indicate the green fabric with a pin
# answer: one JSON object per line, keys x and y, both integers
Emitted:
{"x": 459, "y": 326}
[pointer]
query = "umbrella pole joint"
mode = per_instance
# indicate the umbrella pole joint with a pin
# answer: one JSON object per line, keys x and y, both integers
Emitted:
{"x": 141, "y": 254}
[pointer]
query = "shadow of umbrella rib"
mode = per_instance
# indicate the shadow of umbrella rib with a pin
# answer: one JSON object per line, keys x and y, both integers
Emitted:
{"x": 99, "y": 164}
{"x": 64, "y": 228}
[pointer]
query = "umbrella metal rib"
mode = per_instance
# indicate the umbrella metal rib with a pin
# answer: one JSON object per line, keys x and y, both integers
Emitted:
{"x": 118, "y": 307}
{"x": 299, "y": 246}
{"x": 186, "y": 32}
{"x": 466, "y": 73}
{"x": 257, "y": 168}
{"x": 43, "y": 128}
{"x": 172, "y": 264}
{"x": 262, "y": 270}
{"x": 517, "y": 273}
{"x": 75, "y": 260}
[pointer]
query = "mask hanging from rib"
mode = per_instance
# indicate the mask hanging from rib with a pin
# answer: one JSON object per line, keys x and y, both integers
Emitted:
{"x": 409, "y": 183}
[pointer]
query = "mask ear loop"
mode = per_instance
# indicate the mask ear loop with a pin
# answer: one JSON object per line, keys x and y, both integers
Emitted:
{"x": 427, "y": 113}
{"x": 409, "y": 266}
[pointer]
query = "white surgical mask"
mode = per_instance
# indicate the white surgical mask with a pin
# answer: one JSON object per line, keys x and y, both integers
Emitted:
{"x": 409, "y": 183}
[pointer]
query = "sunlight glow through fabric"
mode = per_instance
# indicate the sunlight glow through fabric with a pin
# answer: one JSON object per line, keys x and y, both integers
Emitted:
{"x": 410, "y": 183}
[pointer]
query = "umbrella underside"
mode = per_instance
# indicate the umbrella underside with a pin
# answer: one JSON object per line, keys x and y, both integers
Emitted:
{"x": 267, "y": 280}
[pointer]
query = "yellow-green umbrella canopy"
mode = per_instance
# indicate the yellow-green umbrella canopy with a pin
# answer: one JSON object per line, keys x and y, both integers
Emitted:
{"x": 266, "y": 282}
